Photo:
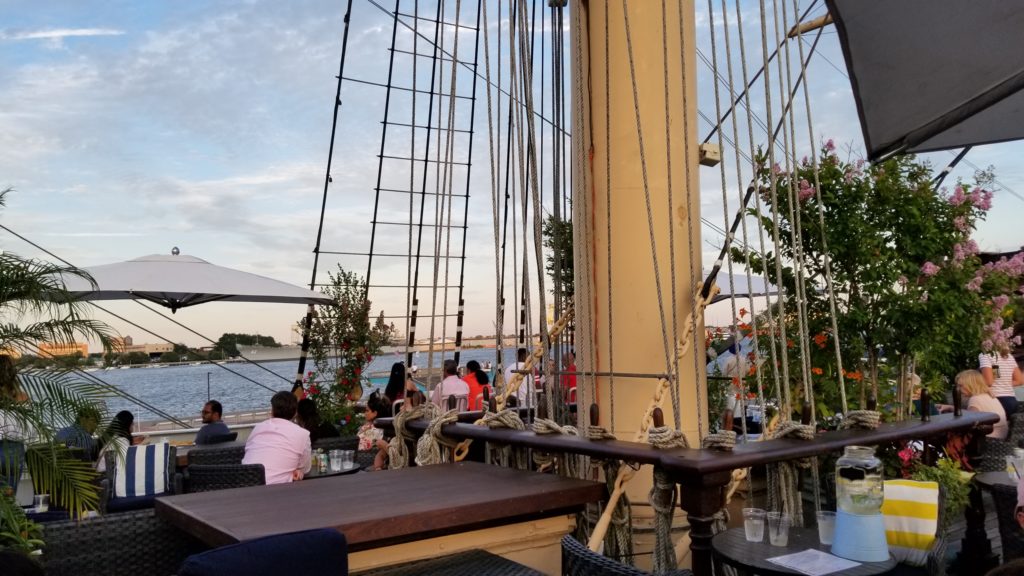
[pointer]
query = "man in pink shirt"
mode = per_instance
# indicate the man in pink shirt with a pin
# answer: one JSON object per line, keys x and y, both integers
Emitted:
{"x": 279, "y": 444}
{"x": 452, "y": 385}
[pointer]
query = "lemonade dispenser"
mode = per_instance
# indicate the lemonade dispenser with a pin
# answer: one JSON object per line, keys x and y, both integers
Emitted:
{"x": 860, "y": 527}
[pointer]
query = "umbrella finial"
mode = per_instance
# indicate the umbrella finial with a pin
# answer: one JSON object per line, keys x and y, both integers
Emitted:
{"x": 175, "y": 251}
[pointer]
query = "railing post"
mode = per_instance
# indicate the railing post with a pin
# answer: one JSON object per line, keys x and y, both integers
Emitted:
{"x": 701, "y": 498}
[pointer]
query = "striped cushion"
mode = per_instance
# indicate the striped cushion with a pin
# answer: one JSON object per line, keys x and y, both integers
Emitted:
{"x": 143, "y": 472}
{"x": 911, "y": 511}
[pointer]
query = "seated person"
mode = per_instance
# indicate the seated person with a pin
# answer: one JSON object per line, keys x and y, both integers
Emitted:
{"x": 371, "y": 437}
{"x": 452, "y": 385}
{"x": 309, "y": 418}
{"x": 980, "y": 399}
{"x": 117, "y": 438}
{"x": 526, "y": 393}
{"x": 280, "y": 445}
{"x": 80, "y": 434}
{"x": 212, "y": 425}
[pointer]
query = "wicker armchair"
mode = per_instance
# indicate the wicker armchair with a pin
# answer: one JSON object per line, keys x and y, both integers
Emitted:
{"x": 1010, "y": 533}
{"x": 578, "y": 560}
{"x": 128, "y": 543}
{"x": 222, "y": 438}
{"x": 216, "y": 456}
{"x": 365, "y": 458}
{"x": 342, "y": 443}
{"x": 210, "y": 477}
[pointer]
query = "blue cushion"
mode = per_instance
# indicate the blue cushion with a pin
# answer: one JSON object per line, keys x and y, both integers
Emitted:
{"x": 144, "y": 471}
{"x": 321, "y": 552}
{"x": 130, "y": 503}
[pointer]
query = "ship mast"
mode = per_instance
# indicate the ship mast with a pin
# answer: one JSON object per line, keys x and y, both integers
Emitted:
{"x": 636, "y": 202}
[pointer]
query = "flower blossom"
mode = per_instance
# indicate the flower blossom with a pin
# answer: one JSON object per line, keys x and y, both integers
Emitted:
{"x": 960, "y": 223}
{"x": 958, "y": 196}
{"x": 806, "y": 190}
{"x": 975, "y": 284}
{"x": 982, "y": 199}
{"x": 830, "y": 145}
{"x": 929, "y": 269}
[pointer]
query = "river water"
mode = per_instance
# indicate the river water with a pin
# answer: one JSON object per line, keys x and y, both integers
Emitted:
{"x": 181, "y": 391}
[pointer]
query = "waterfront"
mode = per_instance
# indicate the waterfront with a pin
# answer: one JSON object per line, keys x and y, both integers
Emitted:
{"x": 181, "y": 391}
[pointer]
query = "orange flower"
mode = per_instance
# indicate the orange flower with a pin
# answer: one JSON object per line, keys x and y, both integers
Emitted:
{"x": 817, "y": 371}
{"x": 821, "y": 339}
{"x": 743, "y": 312}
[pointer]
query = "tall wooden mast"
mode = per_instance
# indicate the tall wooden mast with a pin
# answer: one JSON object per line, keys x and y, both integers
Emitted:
{"x": 615, "y": 268}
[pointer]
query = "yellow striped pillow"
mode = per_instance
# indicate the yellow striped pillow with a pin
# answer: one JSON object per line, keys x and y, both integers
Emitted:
{"x": 911, "y": 511}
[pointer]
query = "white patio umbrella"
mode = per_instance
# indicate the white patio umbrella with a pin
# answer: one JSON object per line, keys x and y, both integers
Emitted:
{"x": 177, "y": 281}
{"x": 756, "y": 287}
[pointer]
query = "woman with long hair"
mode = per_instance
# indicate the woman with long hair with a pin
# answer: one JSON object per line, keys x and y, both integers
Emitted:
{"x": 395, "y": 389}
{"x": 307, "y": 416}
{"x": 116, "y": 438}
{"x": 477, "y": 379}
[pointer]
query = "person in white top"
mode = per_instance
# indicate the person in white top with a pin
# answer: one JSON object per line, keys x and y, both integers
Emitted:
{"x": 1001, "y": 374}
{"x": 279, "y": 444}
{"x": 979, "y": 399}
{"x": 452, "y": 385}
{"x": 526, "y": 394}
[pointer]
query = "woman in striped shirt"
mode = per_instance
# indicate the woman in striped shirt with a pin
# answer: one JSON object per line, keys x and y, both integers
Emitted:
{"x": 1001, "y": 374}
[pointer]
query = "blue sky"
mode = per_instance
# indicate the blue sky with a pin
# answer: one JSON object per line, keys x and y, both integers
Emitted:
{"x": 131, "y": 127}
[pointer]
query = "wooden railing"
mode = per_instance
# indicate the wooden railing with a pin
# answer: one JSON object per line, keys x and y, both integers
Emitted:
{"x": 704, "y": 474}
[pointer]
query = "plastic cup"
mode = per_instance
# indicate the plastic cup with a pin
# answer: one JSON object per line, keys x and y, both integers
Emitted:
{"x": 348, "y": 459}
{"x": 41, "y": 503}
{"x": 753, "y": 524}
{"x": 336, "y": 460}
{"x": 826, "y": 526}
{"x": 778, "y": 528}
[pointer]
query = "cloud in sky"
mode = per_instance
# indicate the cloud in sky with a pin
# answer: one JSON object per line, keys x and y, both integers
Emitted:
{"x": 206, "y": 126}
{"x": 57, "y": 33}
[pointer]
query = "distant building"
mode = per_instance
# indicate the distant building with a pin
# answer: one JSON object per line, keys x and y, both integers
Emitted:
{"x": 126, "y": 345}
{"x": 50, "y": 350}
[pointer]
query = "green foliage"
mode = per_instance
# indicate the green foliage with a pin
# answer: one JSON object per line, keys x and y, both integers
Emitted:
{"x": 956, "y": 489}
{"x": 900, "y": 256}
{"x": 229, "y": 342}
{"x": 35, "y": 403}
{"x": 343, "y": 341}
{"x": 16, "y": 530}
{"x": 559, "y": 262}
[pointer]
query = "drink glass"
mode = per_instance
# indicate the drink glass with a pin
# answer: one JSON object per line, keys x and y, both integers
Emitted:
{"x": 336, "y": 460}
{"x": 826, "y": 526}
{"x": 348, "y": 459}
{"x": 753, "y": 524}
{"x": 778, "y": 528}
{"x": 41, "y": 503}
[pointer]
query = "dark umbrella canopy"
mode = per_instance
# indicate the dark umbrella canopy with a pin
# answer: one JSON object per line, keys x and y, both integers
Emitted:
{"x": 177, "y": 281}
{"x": 934, "y": 74}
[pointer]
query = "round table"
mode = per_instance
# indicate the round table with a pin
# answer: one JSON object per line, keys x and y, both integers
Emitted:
{"x": 313, "y": 474}
{"x": 988, "y": 479}
{"x": 732, "y": 548}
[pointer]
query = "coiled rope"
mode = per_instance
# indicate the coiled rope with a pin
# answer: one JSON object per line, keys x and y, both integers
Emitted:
{"x": 862, "y": 420}
{"x": 566, "y": 464}
{"x": 398, "y": 452}
{"x": 613, "y": 527}
{"x": 429, "y": 447}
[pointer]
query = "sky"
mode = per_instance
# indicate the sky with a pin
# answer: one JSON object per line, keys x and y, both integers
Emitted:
{"x": 131, "y": 127}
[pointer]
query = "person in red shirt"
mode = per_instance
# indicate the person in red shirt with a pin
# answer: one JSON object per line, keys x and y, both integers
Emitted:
{"x": 477, "y": 380}
{"x": 569, "y": 380}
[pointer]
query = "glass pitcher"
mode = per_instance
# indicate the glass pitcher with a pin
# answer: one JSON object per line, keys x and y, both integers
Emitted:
{"x": 859, "y": 488}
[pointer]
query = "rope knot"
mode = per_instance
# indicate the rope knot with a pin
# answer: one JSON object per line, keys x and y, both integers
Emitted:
{"x": 861, "y": 419}
{"x": 664, "y": 438}
{"x": 724, "y": 441}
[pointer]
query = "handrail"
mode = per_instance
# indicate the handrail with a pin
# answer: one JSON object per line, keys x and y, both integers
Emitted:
{"x": 694, "y": 463}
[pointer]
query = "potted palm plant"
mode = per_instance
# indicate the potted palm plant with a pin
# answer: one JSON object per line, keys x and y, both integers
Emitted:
{"x": 35, "y": 307}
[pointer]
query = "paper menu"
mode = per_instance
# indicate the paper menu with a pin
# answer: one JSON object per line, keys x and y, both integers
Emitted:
{"x": 813, "y": 562}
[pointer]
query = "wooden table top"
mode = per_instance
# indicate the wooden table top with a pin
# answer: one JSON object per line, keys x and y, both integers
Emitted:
{"x": 732, "y": 547}
{"x": 381, "y": 508}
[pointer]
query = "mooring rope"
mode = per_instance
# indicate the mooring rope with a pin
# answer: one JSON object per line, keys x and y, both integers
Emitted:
{"x": 783, "y": 475}
{"x": 398, "y": 452}
{"x": 429, "y": 447}
{"x": 663, "y": 499}
{"x": 862, "y": 420}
